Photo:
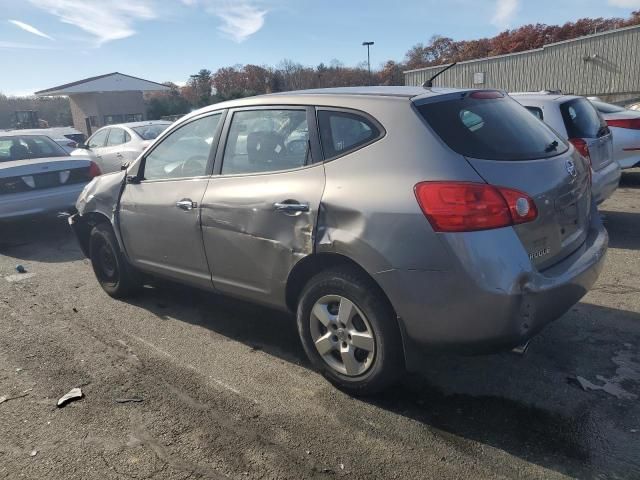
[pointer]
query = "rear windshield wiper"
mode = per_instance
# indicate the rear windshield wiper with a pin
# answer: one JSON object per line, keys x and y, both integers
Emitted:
{"x": 552, "y": 146}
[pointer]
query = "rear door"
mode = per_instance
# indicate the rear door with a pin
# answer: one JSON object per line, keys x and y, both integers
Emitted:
{"x": 112, "y": 153}
{"x": 511, "y": 148}
{"x": 160, "y": 211}
{"x": 582, "y": 121}
{"x": 259, "y": 213}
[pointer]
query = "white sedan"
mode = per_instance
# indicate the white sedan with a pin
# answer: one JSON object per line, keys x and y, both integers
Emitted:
{"x": 115, "y": 145}
{"x": 38, "y": 176}
{"x": 625, "y": 127}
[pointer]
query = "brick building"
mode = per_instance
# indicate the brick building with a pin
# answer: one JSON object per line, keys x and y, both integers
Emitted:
{"x": 105, "y": 99}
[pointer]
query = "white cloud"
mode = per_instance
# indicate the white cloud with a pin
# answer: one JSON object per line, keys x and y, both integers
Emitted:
{"x": 30, "y": 28}
{"x": 240, "y": 19}
{"x": 625, "y": 3}
{"x": 22, "y": 46}
{"x": 504, "y": 13}
{"x": 106, "y": 20}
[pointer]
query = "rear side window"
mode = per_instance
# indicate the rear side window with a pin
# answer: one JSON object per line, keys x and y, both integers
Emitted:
{"x": 582, "y": 120}
{"x": 492, "y": 127}
{"x": 536, "y": 111}
{"x": 343, "y": 132}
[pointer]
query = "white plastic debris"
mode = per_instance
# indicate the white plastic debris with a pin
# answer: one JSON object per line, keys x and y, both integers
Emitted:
{"x": 74, "y": 394}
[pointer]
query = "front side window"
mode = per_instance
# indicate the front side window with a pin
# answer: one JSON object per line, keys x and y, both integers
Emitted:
{"x": 341, "y": 132}
{"x": 117, "y": 137}
{"x": 184, "y": 152}
{"x": 491, "y": 126}
{"x": 266, "y": 141}
{"x": 98, "y": 139}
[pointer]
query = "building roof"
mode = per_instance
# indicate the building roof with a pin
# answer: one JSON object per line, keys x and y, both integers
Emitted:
{"x": 110, "y": 82}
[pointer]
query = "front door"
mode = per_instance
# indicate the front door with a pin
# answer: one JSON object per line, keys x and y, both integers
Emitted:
{"x": 160, "y": 210}
{"x": 259, "y": 213}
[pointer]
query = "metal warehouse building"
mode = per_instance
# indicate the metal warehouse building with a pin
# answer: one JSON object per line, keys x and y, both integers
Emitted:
{"x": 605, "y": 64}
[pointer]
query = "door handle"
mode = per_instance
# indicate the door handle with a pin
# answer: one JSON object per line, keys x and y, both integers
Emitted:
{"x": 291, "y": 207}
{"x": 186, "y": 204}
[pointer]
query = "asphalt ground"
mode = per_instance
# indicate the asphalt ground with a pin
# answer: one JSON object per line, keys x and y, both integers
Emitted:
{"x": 181, "y": 384}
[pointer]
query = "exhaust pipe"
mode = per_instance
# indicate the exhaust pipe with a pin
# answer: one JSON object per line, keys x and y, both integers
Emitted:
{"x": 521, "y": 349}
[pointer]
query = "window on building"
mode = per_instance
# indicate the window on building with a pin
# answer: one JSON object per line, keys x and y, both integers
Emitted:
{"x": 112, "y": 119}
{"x": 133, "y": 117}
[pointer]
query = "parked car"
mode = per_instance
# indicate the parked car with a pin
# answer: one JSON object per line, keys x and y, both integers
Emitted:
{"x": 38, "y": 176}
{"x": 116, "y": 145}
{"x": 577, "y": 120}
{"x": 67, "y": 137}
{"x": 415, "y": 219}
{"x": 625, "y": 127}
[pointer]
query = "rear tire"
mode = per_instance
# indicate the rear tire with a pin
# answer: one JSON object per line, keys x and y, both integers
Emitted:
{"x": 115, "y": 275}
{"x": 349, "y": 331}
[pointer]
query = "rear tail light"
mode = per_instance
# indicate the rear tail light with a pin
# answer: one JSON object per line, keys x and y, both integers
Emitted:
{"x": 632, "y": 123}
{"x": 581, "y": 147}
{"x": 94, "y": 170}
{"x": 466, "y": 206}
{"x": 487, "y": 95}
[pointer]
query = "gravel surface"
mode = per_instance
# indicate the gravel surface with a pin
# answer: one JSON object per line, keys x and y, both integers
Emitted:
{"x": 181, "y": 384}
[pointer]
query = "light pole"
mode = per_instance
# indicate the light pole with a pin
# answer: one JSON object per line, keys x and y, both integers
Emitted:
{"x": 368, "y": 45}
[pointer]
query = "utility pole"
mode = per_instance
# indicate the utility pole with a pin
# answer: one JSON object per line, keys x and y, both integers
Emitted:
{"x": 368, "y": 45}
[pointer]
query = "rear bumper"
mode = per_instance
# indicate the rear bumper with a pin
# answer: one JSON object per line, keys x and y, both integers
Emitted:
{"x": 39, "y": 201}
{"x": 605, "y": 182}
{"x": 493, "y": 299}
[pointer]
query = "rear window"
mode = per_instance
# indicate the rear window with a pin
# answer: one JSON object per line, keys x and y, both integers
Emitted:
{"x": 581, "y": 119}
{"x": 150, "y": 132}
{"x": 27, "y": 147}
{"x": 493, "y": 127}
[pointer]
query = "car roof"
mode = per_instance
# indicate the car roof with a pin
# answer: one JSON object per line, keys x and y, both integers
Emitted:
{"x": 543, "y": 96}
{"x": 138, "y": 124}
{"x": 328, "y": 97}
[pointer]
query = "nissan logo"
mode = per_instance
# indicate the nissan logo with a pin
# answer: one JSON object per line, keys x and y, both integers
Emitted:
{"x": 571, "y": 168}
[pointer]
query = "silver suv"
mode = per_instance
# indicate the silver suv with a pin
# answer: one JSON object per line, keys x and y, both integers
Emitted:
{"x": 390, "y": 220}
{"x": 578, "y": 121}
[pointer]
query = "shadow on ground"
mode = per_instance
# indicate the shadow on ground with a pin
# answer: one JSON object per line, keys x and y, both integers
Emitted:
{"x": 623, "y": 228}
{"x": 630, "y": 178}
{"x": 39, "y": 239}
{"x": 528, "y": 406}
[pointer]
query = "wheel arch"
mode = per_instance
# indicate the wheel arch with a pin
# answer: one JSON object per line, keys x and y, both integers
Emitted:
{"x": 82, "y": 228}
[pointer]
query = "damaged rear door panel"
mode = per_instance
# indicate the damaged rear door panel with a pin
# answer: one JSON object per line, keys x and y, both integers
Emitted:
{"x": 259, "y": 213}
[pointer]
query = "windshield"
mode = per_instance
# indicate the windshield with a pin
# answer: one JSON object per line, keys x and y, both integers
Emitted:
{"x": 582, "y": 120}
{"x": 491, "y": 126}
{"x": 150, "y": 132}
{"x": 26, "y": 147}
{"x": 603, "y": 107}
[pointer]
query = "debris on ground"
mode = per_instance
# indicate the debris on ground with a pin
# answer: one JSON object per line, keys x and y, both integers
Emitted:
{"x": 128, "y": 400}
{"x": 21, "y": 269}
{"x": 33, "y": 453}
{"x": 18, "y": 277}
{"x": 4, "y": 398}
{"x": 74, "y": 394}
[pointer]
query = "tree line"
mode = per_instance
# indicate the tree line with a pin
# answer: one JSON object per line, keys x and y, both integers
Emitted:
{"x": 207, "y": 87}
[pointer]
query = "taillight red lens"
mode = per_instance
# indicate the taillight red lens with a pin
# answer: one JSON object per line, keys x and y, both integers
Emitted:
{"x": 94, "y": 170}
{"x": 581, "y": 147}
{"x": 632, "y": 123}
{"x": 466, "y": 206}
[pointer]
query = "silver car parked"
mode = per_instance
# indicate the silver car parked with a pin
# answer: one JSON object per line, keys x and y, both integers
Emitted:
{"x": 116, "y": 145}
{"x": 389, "y": 219}
{"x": 38, "y": 176}
{"x": 577, "y": 120}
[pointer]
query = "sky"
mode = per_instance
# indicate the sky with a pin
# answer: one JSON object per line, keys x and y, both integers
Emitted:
{"x": 45, "y": 43}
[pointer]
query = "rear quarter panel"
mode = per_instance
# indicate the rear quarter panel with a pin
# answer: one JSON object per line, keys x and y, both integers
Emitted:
{"x": 369, "y": 212}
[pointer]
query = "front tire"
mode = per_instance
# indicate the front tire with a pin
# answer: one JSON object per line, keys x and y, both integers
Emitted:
{"x": 349, "y": 331}
{"x": 115, "y": 275}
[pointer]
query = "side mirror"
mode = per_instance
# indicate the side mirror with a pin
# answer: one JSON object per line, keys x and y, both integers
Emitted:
{"x": 83, "y": 146}
{"x": 132, "y": 179}
{"x": 124, "y": 166}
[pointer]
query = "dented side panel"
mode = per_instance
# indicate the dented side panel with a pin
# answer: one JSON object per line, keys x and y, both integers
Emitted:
{"x": 250, "y": 245}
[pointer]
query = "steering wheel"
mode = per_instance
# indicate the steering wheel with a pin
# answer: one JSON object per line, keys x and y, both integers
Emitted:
{"x": 194, "y": 166}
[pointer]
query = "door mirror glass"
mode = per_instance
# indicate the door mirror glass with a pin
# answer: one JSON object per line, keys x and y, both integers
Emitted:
{"x": 265, "y": 141}
{"x": 184, "y": 152}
